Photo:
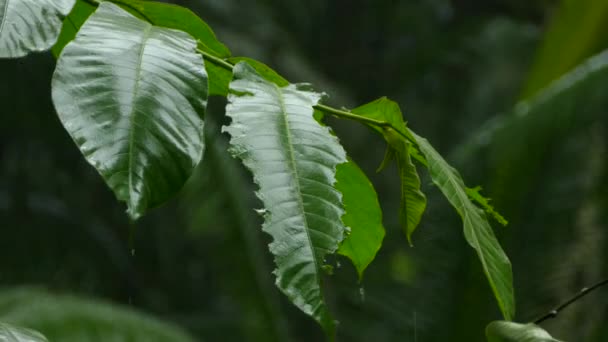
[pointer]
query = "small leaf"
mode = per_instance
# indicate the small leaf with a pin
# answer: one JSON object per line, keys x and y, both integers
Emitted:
{"x": 30, "y": 25}
{"x": 501, "y": 331}
{"x": 485, "y": 204}
{"x": 363, "y": 216}
{"x": 293, "y": 160}
{"x": 131, "y": 95}
{"x": 219, "y": 78}
{"x": 11, "y": 333}
{"x": 477, "y": 230}
{"x": 413, "y": 201}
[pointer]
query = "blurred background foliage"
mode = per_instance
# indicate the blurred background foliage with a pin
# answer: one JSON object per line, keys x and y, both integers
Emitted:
{"x": 459, "y": 68}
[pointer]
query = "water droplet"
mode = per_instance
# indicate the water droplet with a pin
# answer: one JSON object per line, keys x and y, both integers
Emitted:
{"x": 262, "y": 211}
{"x": 132, "y": 251}
{"x": 362, "y": 293}
{"x": 338, "y": 264}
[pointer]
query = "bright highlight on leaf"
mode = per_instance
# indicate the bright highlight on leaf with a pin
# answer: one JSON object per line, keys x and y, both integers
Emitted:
{"x": 477, "y": 230}
{"x": 131, "y": 95}
{"x": 30, "y": 25}
{"x": 501, "y": 331}
{"x": 363, "y": 216}
{"x": 293, "y": 160}
{"x": 11, "y": 333}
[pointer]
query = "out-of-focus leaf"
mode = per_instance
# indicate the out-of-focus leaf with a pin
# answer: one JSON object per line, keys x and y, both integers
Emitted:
{"x": 64, "y": 318}
{"x": 576, "y": 32}
{"x": 501, "y": 331}
{"x": 477, "y": 230}
{"x": 11, "y": 333}
{"x": 30, "y": 25}
{"x": 131, "y": 95}
{"x": 413, "y": 201}
{"x": 363, "y": 216}
{"x": 293, "y": 160}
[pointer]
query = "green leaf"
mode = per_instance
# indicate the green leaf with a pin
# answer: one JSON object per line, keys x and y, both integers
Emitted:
{"x": 413, "y": 201}
{"x": 293, "y": 160}
{"x": 65, "y": 318}
{"x": 485, "y": 204}
{"x": 11, "y": 333}
{"x": 501, "y": 331}
{"x": 219, "y": 78}
{"x": 30, "y": 25}
{"x": 71, "y": 24}
{"x": 363, "y": 216}
{"x": 131, "y": 95}
{"x": 477, "y": 230}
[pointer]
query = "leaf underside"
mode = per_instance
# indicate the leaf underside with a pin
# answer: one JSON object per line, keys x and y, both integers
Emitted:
{"x": 30, "y": 25}
{"x": 293, "y": 160}
{"x": 477, "y": 230}
{"x": 132, "y": 95}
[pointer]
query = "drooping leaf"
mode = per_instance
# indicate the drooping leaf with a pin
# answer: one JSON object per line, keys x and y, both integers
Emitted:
{"x": 363, "y": 216}
{"x": 501, "y": 331}
{"x": 131, "y": 95}
{"x": 477, "y": 230}
{"x": 11, "y": 333}
{"x": 30, "y": 25}
{"x": 293, "y": 160}
{"x": 413, "y": 201}
{"x": 71, "y": 24}
{"x": 66, "y": 318}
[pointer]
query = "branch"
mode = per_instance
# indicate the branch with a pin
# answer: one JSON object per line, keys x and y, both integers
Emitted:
{"x": 583, "y": 292}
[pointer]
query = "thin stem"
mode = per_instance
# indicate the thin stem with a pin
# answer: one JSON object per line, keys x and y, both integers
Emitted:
{"x": 583, "y": 292}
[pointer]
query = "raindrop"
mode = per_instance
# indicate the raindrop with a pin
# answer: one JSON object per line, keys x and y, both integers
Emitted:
{"x": 362, "y": 293}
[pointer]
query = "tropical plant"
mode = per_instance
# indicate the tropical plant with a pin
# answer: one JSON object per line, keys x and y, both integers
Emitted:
{"x": 131, "y": 87}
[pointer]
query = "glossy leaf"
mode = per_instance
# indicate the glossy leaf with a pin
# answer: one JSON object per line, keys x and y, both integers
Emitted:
{"x": 501, "y": 331}
{"x": 413, "y": 201}
{"x": 293, "y": 160}
{"x": 65, "y": 318}
{"x": 11, "y": 333}
{"x": 477, "y": 230}
{"x": 363, "y": 216}
{"x": 30, "y": 25}
{"x": 131, "y": 95}
{"x": 219, "y": 78}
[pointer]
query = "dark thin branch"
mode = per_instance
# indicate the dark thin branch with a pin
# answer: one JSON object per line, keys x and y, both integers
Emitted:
{"x": 582, "y": 293}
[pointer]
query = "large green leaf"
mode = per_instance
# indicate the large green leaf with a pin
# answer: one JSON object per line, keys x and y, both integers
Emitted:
{"x": 477, "y": 230}
{"x": 30, "y": 25}
{"x": 71, "y": 24}
{"x": 131, "y": 95}
{"x": 501, "y": 331}
{"x": 11, "y": 333}
{"x": 65, "y": 318}
{"x": 293, "y": 160}
{"x": 413, "y": 201}
{"x": 363, "y": 216}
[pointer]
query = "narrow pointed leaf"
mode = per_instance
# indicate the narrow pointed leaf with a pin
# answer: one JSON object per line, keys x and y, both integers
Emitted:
{"x": 413, "y": 201}
{"x": 477, "y": 197}
{"x": 501, "y": 331}
{"x": 30, "y": 25}
{"x": 477, "y": 230}
{"x": 293, "y": 160}
{"x": 11, "y": 333}
{"x": 131, "y": 95}
{"x": 363, "y": 216}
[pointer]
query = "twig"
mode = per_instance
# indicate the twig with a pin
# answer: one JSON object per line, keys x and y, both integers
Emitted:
{"x": 583, "y": 292}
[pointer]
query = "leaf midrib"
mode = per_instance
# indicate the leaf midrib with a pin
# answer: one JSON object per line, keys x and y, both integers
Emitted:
{"x": 136, "y": 87}
{"x": 292, "y": 163}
